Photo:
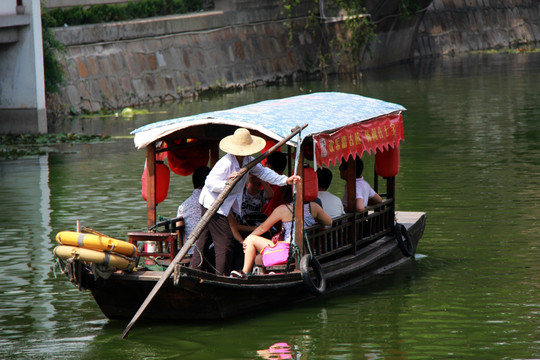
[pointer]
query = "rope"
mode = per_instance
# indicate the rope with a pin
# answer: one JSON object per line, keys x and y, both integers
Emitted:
{"x": 95, "y": 232}
{"x": 57, "y": 264}
{"x": 308, "y": 246}
{"x": 293, "y": 247}
{"x": 203, "y": 258}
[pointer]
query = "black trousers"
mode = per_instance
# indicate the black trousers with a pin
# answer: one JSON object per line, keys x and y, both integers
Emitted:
{"x": 217, "y": 231}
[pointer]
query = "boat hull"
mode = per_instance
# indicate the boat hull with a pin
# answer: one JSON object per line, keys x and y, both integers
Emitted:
{"x": 193, "y": 294}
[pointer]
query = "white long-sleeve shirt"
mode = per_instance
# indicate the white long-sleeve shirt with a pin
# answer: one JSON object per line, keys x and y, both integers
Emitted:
{"x": 217, "y": 179}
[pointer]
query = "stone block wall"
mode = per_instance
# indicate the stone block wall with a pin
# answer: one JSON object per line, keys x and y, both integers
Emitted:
{"x": 161, "y": 59}
{"x": 131, "y": 72}
{"x": 455, "y": 26}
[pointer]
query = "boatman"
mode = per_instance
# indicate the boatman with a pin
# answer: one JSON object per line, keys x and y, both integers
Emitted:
{"x": 238, "y": 148}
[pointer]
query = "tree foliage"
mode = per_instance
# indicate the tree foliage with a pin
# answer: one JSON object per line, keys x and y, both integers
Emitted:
{"x": 104, "y": 13}
{"x": 356, "y": 30}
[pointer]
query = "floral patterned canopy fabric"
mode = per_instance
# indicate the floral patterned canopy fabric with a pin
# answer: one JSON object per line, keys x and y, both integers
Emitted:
{"x": 330, "y": 116}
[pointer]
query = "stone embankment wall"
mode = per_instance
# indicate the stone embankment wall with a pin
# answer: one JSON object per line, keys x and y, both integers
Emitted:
{"x": 243, "y": 43}
{"x": 161, "y": 59}
{"x": 456, "y": 26}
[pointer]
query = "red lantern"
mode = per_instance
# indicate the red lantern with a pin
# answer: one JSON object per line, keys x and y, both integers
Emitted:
{"x": 163, "y": 176}
{"x": 311, "y": 184}
{"x": 387, "y": 162}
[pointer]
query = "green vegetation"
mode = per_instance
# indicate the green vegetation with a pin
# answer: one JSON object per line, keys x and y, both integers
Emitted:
{"x": 15, "y": 146}
{"x": 518, "y": 50}
{"x": 359, "y": 31}
{"x": 54, "y": 74}
{"x": 408, "y": 8}
{"x": 83, "y": 15}
{"x": 356, "y": 35}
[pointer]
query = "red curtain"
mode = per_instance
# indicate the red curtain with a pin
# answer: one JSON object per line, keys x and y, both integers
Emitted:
{"x": 183, "y": 161}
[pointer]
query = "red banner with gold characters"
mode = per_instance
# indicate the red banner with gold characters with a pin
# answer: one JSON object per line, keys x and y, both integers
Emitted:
{"x": 378, "y": 133}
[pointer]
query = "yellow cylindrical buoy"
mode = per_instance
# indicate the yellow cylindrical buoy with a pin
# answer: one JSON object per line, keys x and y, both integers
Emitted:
{"x": 96, "y": 242}
{"x": 65, "y": 252}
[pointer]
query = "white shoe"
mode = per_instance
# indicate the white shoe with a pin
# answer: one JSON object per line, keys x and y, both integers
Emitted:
{"x": 238, "y": 274}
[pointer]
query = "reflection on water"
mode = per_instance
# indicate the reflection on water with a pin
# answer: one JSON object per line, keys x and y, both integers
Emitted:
{"x": 280, "y": 350}
{"x": 470, "y": 160}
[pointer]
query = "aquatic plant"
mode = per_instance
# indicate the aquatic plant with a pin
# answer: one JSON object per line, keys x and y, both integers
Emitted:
{"x": 15, "y": 146}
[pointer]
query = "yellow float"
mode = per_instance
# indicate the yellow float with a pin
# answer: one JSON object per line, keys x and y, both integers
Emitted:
{"x": 96, "y": 242}
{"x": 65, "y": 252}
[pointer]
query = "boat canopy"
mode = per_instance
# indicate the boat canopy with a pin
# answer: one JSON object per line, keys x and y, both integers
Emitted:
{"x": 340, "y": 123}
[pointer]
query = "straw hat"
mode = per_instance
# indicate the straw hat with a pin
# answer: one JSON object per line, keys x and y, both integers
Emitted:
{"x": 242, "y": 143}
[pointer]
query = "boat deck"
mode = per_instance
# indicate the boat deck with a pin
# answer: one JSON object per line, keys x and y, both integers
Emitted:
{"x": 408, "y": 218}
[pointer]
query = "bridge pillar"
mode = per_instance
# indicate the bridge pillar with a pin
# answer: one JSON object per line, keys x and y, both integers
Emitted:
{"x": 22, "y": 79}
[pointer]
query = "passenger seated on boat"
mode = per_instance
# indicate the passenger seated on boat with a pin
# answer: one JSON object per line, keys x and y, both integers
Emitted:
{"x": 190, "y": 209}
{"x": 256, "y": 194}
{"x": 238, "y": 148}
{"x": 331, "y": 204}
{"x": 365, "y": 195}
{"x": 254, "y": 243}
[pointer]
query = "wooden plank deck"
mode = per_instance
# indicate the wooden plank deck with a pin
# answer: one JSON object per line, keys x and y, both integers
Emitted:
{"x": 408, "y": 218}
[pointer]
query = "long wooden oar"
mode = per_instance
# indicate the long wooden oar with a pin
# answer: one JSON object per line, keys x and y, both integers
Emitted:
{"x": 202, "y": 224}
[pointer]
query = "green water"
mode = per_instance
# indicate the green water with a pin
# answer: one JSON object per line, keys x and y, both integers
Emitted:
{"x": 471, "y": 160}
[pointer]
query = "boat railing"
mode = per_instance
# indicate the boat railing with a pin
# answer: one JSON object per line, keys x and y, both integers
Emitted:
{"x": 350, "y": 232}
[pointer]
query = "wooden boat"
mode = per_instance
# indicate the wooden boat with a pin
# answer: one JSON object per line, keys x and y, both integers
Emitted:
{"x": 354, "y": 248}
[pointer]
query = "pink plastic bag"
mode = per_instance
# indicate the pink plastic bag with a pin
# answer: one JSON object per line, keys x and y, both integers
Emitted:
{"x": 275, "y": 255}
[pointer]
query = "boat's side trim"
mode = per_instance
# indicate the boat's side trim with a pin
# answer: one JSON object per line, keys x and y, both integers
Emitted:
{"x": 278, "y": 281}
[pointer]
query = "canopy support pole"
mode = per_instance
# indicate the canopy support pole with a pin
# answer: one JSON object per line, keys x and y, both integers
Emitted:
{"x": 375, "y": 180}
{"x": 351, "y": 200}
{"x": 391, "y": 194}
{"x": 299, "y": 206}
{"x": 351, "y": 185}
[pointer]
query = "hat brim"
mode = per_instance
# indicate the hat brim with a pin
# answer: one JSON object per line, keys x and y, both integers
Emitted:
{"x": 228, "y": 146}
